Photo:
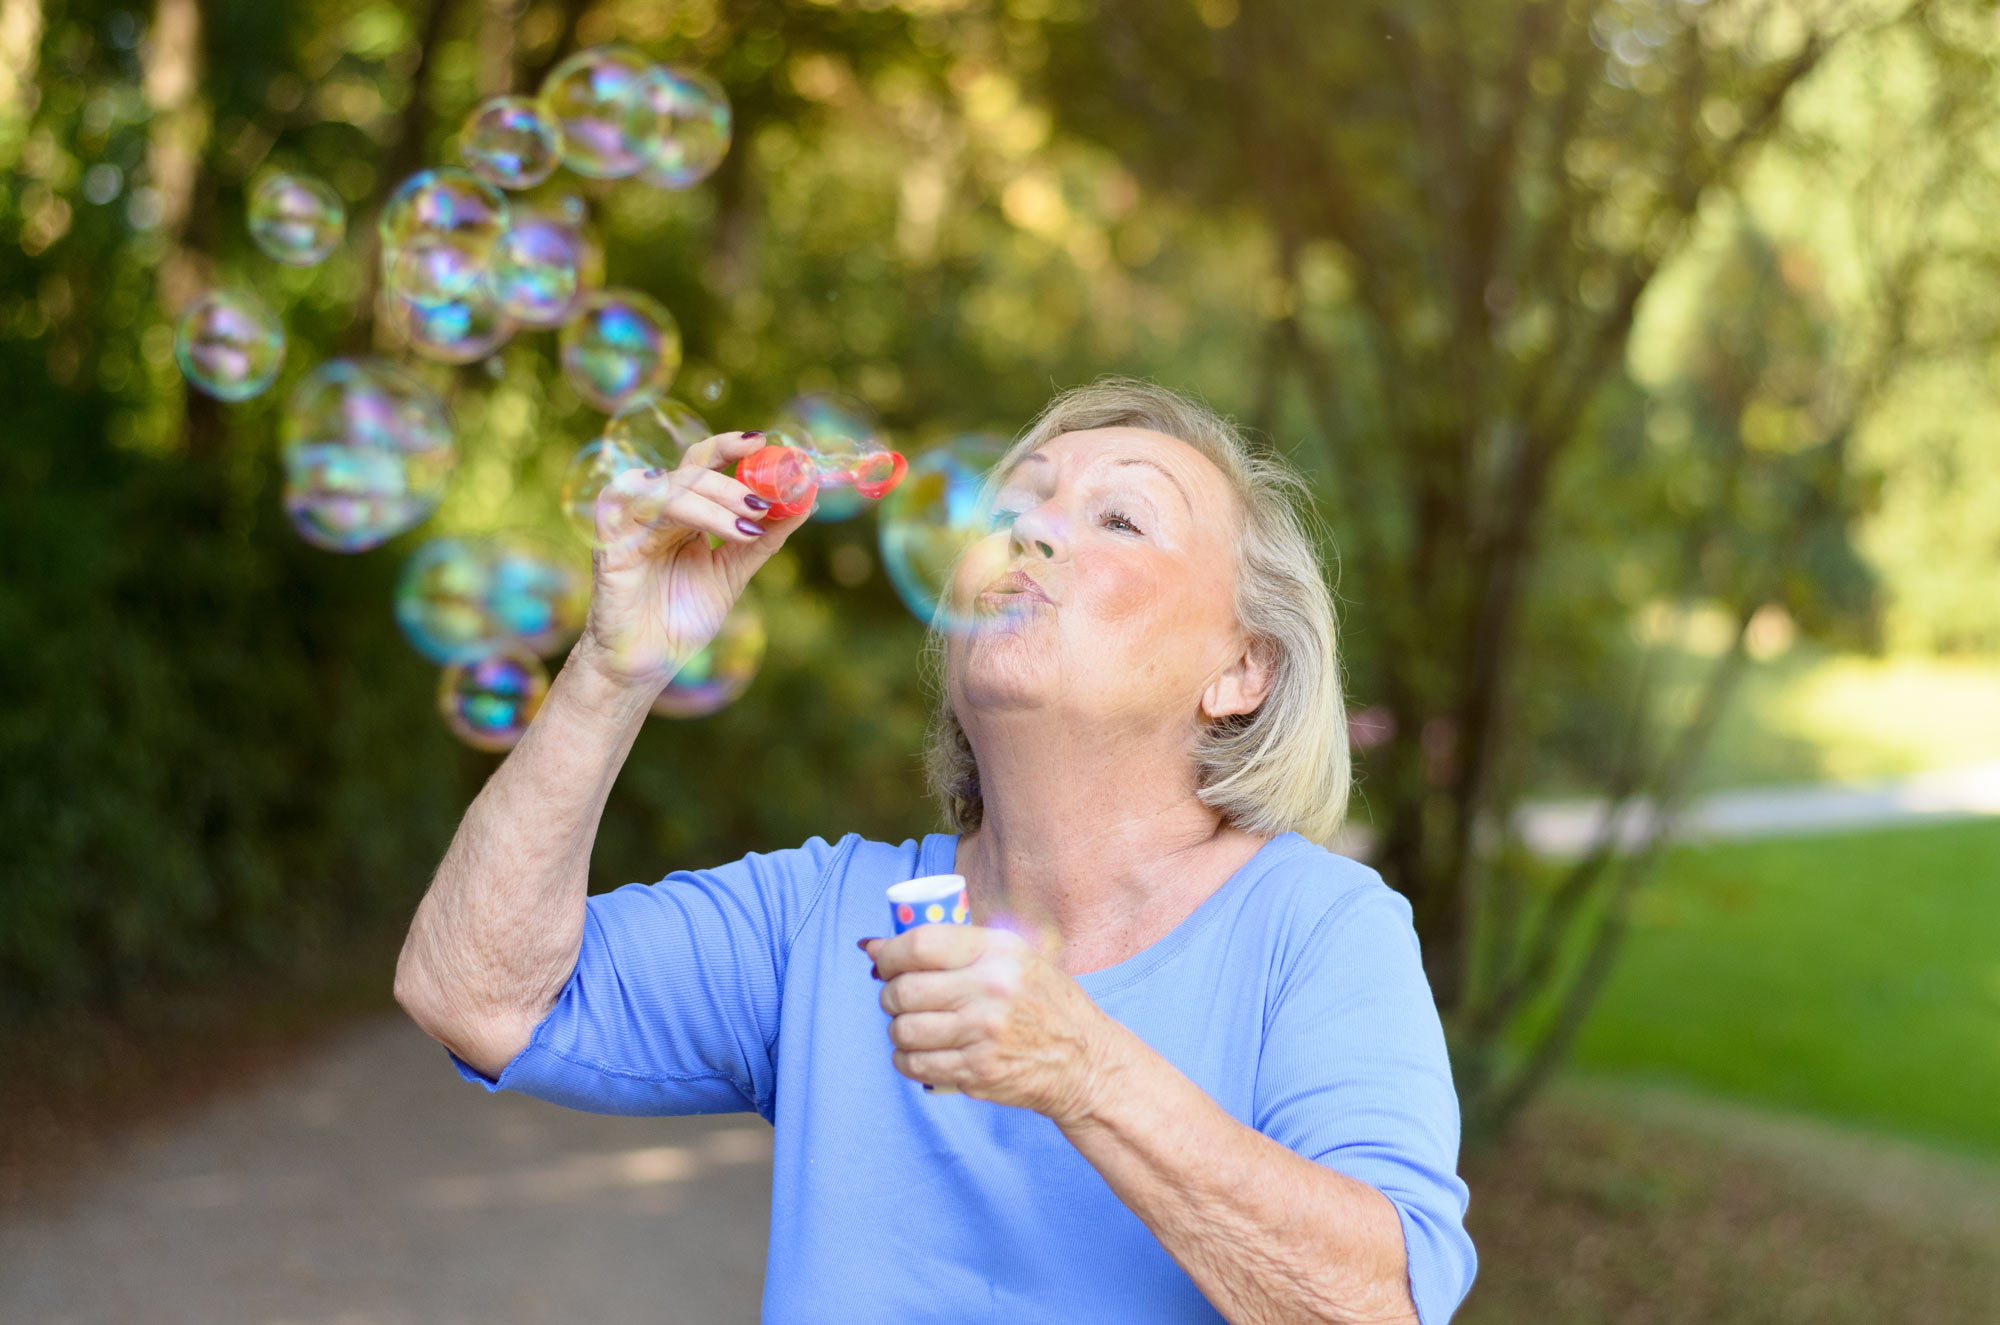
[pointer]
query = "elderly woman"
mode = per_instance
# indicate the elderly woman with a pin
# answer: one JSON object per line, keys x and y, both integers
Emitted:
{"x": 1199, "y": 1073}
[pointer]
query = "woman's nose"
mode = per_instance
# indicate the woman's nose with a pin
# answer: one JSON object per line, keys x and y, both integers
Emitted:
{"x": 1038, "y": 534}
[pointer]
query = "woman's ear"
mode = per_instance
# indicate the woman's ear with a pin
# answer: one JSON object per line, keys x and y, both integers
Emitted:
{"x": 1242, "y": 685}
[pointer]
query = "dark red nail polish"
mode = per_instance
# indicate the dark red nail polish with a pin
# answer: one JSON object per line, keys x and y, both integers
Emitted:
{"x": 654, "y": 473}
{"x": 756, "y": 503}
{"x": 875, "y": 971}
{"x": 750, "y": 527}
{"x": 753, "y": 435}
{"x": 861, "y": 944}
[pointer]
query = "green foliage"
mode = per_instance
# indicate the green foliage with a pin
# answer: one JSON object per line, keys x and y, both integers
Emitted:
{"x": 200, "y": 709}
{"x": 1575, "y": 310}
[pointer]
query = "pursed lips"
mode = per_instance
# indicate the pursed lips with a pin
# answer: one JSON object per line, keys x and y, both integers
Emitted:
{"x": 1017, "y": 584}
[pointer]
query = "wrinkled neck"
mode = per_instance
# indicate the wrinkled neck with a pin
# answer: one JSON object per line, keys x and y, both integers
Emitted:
{"x": 1092, "y": 837}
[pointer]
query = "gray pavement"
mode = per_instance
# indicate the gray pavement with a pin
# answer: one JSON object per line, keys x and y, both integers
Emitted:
{"x": 370, "y": 1186}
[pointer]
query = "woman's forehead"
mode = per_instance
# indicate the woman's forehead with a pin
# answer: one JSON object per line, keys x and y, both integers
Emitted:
{"x": 1093, "y": 448}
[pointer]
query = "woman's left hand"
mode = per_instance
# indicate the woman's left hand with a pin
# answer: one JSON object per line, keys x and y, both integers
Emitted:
{"x": 982, "y": 1010}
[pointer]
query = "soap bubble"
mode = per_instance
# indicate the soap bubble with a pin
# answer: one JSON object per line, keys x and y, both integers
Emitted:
{"x": 713, "y": 678}
{"x": 464, "y": 598}
{"x": 229, "y": 345}
{"x": 591, "y": 470}
{"x": 602, "y": 98}
{"x": 840, "y": 433}
{"x": 446, "y": 202}
{"x": 437, "y": 230}
{"x": 536, "y": 269}
{"x": 692, "y": 133}
{"x": 702, "y": 383}
{"x": 511, "y": 142}
{"x": 368, "y": 451}
{"x": 296, "y": 219}
{"x": 490, "y": 701}
{"x": 432, "y": 270}
{"x": 938, "y": 512}
{"x": 441, "y": 601}
{"x": 658, "y": 425}
{"x": 457, "y": 330}
{"x": 536, "y": 596}
{"x": 621, "y": 344}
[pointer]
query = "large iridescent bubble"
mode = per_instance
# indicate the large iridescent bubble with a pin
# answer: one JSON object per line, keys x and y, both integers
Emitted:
{"x": 459, "y": 330}
{"x": 603, "y": 99}
{"x": 296, "y": 219}
{"x": 437, "y": 230}
{"x": 939, "y": 513}
{"x": 441, "y": 601}
{"x": 537, "y": 595}
{"x": 692, "y": 134}
{"x": 368, "y": 451}
{"x": 657, "y": 425}
{"x": 464, "y": 598}
{"x": 715, "y": 677}
{"x": 591, "y": 470}
{"x": 511, "y": 142}
{"x": 840, "y": 433}
{"x": 536, "y": 271}
{"x": 622, "y": 344}
{"x": 229, "y": 345}
{"x": 490, "y": 701}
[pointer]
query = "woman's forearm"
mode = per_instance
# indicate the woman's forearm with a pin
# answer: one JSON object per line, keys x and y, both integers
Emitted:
{"x": 1268, "y": 1235}
{"x": 498, "y": 932}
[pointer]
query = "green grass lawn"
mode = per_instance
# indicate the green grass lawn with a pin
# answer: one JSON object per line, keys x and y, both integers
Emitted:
{"x": 1854, "y": 976}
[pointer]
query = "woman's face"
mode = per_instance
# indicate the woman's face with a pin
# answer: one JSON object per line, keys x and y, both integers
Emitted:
{"x": 1105, "y": 592}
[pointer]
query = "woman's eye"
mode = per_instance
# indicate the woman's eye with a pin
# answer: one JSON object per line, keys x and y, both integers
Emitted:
{"x": 1003, "y": 519}
{"x": 1114, "y": 518}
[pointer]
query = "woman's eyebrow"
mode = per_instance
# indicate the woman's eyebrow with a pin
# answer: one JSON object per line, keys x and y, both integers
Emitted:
{"x": 1161, "y": 469}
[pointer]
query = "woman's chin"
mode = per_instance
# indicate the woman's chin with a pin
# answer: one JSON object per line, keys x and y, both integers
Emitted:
{"x": 998, "y": 672}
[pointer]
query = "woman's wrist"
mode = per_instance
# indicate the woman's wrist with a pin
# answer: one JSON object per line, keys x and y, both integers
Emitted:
{"x": 592, "y": 679}
{"x": 1101, "y": 1078}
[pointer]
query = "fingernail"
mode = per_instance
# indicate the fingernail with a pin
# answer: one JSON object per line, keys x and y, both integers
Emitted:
{"x": 750, "y": 527}
{"x": 753, "y": 435}
{"x": 861, "y": 944}
{"x": 654, "y": 473}
{"x": 756, "y": 503}
{"x": 875, "y": 971}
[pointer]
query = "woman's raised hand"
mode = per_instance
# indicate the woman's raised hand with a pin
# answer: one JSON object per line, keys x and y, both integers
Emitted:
{"x": 659, "y": 591}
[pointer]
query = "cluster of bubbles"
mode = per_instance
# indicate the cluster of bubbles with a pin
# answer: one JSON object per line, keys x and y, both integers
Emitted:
{"x": 469, "y": 257}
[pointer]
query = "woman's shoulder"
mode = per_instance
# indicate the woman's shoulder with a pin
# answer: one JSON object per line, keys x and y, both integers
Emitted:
{"x": 855, "y": 856}
{"x": 1309, "y": 888}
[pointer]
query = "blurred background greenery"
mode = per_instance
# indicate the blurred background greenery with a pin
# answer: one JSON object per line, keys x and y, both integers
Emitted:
{"x": 1640, "y": 352}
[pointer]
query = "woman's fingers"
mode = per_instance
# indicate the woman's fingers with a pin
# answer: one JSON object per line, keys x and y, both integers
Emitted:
{"x": 918, "y": 1031}
{"x": 722, "y": 450}
{"x": 641, "y": 505}
{"x": 726, "y": 491}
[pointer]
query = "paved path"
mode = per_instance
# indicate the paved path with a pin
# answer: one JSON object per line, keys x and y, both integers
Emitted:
{"x": 1564, "y": 829}
{"x": 370, "y": 1186}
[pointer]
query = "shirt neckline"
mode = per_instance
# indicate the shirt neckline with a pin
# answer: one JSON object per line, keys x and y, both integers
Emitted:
{"x": 940, "y": 852}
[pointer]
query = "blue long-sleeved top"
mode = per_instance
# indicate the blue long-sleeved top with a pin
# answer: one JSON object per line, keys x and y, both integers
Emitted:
{"x": 1294, "y": 996}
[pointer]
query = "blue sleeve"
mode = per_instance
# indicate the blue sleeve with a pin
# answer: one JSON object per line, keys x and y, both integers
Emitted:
{"x": 1355, "y": 1075}
{"x": 673, "y": 1006}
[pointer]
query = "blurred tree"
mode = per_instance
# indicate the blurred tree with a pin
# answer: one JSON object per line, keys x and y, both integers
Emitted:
{"x": 1592, "y": 308}
{"x": 1465, "y": 208}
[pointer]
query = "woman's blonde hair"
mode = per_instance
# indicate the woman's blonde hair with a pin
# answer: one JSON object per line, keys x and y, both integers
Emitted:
{"x": 1283, "y": 767}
